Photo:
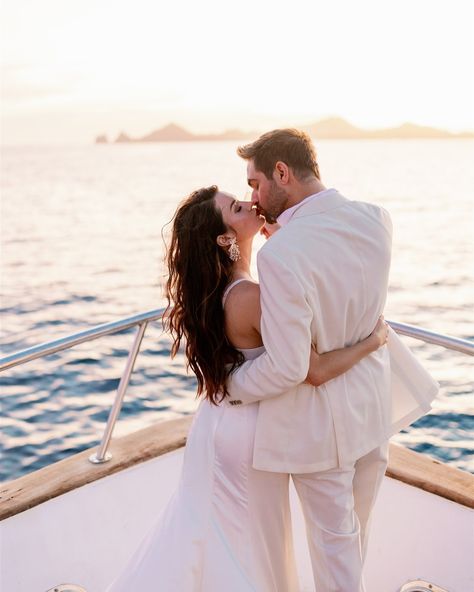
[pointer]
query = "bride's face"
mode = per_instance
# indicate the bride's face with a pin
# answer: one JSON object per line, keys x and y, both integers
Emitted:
{"x": 239, "y": 216}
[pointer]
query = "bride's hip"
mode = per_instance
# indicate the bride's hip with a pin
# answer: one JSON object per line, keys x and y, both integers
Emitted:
{"x": 235, "y": 434}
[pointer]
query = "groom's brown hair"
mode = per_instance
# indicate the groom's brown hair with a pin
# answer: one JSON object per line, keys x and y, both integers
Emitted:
{"x": 291, "y": 146}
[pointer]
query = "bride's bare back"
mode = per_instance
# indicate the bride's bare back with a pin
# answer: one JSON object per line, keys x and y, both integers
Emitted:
{"x": 242, "y": 315}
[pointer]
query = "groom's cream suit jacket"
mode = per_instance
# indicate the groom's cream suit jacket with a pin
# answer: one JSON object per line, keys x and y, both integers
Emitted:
{"x": 323, "y": 279}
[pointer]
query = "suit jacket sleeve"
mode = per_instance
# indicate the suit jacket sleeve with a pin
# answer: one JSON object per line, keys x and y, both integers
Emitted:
{"x": 286, "y": 333}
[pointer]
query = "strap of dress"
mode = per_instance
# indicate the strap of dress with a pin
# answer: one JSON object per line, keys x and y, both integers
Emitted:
{"x": 229, "y": 288}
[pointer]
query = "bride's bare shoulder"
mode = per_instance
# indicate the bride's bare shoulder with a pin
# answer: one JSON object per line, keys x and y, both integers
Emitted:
{"x": 242, "y": 297}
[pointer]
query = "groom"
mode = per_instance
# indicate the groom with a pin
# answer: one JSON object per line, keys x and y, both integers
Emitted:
{"x": 323, "y": 279}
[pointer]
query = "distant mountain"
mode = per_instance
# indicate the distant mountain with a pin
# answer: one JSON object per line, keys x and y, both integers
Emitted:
{"x": 169, "y": 133}
{"x": 176, "y": 133}
{"x": 335, "y": 127}
{"x": 331, "y": 128}
{"x": 123, "y": 138}
{"x": 410, "y": 130}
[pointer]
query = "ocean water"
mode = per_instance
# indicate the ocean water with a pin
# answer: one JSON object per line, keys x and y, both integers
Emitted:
{"x": 81, "y": 244}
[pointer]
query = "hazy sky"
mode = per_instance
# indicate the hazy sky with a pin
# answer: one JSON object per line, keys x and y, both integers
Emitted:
{"x": 72, "y": 69}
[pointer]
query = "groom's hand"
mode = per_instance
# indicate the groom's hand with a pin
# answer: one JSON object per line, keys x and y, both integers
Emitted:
{"x": 268, "y": 229}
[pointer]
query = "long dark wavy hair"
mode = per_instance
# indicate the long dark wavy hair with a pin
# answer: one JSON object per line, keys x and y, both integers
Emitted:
{"x": 199, "y": 271}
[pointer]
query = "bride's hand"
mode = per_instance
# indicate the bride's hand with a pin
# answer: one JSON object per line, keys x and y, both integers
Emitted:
{"x": 379, "y": 335}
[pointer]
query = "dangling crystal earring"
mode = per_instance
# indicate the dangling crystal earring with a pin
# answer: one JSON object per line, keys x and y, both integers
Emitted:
{"x": 234, "y": 251}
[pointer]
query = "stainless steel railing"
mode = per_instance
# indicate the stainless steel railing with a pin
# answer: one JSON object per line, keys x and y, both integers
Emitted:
{"x": 141, "y": 321}
{"x": 51, "y": 347}
{"x": 461, "y": 345}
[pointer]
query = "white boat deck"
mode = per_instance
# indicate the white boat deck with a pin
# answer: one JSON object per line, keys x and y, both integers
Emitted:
{"x": 83, "y": 536}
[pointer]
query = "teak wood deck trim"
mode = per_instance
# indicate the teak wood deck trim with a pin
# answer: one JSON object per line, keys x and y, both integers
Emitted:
{"x": 68, "y": 474}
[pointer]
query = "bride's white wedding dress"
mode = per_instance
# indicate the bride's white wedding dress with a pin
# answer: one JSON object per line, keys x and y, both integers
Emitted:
{"x": 227, "y": 527}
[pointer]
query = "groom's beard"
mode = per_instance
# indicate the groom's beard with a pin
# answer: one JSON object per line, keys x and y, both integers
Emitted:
{"x": 277, "y": 203}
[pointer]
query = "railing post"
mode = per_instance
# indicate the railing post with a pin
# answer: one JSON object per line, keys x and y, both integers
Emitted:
{"x": 102, "y": 455}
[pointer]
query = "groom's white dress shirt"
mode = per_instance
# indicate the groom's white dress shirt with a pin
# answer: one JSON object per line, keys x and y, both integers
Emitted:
{"x": 323, "y": 278}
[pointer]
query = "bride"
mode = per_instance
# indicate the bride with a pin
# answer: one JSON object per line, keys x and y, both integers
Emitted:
{"x": 227, "y": 527}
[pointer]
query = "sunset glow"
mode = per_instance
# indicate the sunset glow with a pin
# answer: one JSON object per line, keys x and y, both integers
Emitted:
{"x": 72, "y": 70}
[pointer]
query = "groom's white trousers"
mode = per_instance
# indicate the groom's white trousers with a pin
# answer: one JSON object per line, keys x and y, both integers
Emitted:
{"x": 337, "y": 506}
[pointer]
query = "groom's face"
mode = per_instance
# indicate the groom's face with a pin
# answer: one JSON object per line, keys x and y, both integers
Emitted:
{"x": 269, "y": 198}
